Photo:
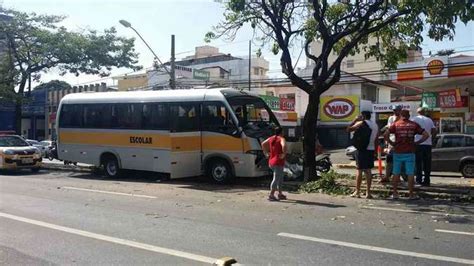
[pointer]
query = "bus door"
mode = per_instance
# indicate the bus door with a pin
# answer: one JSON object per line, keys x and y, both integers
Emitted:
{"x": 185, "y": 137}
{"x": 219, "y": 132}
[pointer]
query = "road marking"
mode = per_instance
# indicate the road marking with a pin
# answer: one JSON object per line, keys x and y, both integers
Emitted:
{"x": 378, "y": 249}
{"x": 455, "y": 232}
{"x": 114, "y": 240}
{"x": 111, "y": 192}
{"x": 412, "y": 211}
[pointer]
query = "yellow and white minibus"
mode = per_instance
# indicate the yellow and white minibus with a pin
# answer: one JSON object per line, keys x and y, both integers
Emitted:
{"x": 182, "y": 133}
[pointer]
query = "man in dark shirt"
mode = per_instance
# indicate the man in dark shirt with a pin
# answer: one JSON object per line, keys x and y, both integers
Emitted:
{"x": 405, "y": 147}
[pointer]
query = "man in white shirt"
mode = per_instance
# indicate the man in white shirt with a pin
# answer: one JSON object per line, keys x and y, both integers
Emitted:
{"x": 423, "y": 150}
{"x": 365, "y": 157}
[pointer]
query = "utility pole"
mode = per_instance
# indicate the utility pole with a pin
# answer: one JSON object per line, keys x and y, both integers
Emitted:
{"x": 250, "y": 63}
{"x": 172, "y": 73}
{"x": 46, "y": 113}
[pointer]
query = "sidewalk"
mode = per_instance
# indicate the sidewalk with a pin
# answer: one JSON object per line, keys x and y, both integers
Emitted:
{"x": 443, "y": 185}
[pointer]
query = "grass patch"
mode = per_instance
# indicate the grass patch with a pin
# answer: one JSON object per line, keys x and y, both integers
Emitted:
{"x": 327, "y": 184}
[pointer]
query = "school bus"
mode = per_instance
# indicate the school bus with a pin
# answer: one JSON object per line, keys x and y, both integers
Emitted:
{"x": 182, "y": 133}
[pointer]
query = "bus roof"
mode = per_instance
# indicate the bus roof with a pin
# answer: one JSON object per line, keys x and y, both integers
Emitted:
{"x": 151, "y": 96}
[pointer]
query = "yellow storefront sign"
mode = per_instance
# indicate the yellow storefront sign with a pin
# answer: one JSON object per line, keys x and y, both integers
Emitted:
{"x": 339, "y": 108}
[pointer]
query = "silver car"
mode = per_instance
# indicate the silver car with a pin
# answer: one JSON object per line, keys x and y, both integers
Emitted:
{"x": 453, "y": 153}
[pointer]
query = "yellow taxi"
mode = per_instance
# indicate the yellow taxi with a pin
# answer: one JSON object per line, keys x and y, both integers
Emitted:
{"x": 16, "y": 153}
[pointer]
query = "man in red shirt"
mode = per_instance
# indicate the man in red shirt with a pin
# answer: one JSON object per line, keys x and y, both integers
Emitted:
{"x": 405, "y": 147}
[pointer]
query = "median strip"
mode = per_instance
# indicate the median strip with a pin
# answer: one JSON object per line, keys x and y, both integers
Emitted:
{"x": 111, "y": 192}
{"x": 412, "y": 211}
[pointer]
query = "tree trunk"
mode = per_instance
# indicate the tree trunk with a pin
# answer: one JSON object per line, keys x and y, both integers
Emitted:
{"x": 309, "y": 133}
{"x": 19, "y": 104}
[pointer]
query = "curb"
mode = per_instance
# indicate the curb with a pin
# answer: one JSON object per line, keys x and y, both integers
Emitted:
{"x": 352, "y": 166}
{"x": 50, "y": 166}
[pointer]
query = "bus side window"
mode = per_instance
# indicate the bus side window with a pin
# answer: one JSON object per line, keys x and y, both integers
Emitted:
{"x": 71, "y": 116}
{"x": 156, "y": 116}
{"x": 97, "y": 115}
{"x": 216, "y": 118}
{"x": 127, "y": 116}
{"x": 184, "y": 117}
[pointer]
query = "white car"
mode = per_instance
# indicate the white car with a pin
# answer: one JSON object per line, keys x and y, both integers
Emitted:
{"x": 16, "y": 153}
{"x": 41, "y": 146}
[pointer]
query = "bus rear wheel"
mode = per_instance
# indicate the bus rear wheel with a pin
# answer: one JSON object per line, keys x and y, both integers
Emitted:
{"x": 111, "y": 166}
{"x": 220, "y": 171}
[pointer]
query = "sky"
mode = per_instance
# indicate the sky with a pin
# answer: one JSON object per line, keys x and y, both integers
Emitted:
{"x": 188, "y": 20}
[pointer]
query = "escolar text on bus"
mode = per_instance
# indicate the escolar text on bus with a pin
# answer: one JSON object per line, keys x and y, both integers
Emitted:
{"x": 141, "y": 140}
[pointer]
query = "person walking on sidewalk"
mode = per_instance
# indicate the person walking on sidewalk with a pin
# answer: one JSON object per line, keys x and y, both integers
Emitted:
{"x": 423, "y": 150}
{"x": 275, "y": 146}
{"x": 365, "y": 128}
{"x": 404, "y": 150}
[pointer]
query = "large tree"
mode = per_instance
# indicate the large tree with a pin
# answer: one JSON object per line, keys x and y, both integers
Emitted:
{"x": 37, "y": 44}
{"x": 343, "y": 27}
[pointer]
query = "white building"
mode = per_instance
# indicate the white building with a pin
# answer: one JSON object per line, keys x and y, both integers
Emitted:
{"x": 223, "y": 69}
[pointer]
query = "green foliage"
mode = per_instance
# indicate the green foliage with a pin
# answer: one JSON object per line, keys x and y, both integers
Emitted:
{"x": 345, "y": 28}
{"x": 327, "y": 184}
{"x": 446, "y": 52}
{"x": 37, "y": 44}
{"x": 54, "y": 85}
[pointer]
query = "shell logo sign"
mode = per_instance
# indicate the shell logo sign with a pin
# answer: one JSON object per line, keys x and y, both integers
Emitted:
{"x": 435, "y": 67}
{"x": 339, "y": 109}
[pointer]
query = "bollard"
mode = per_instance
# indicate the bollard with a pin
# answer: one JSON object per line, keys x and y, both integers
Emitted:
{"x": 379, "y": 157}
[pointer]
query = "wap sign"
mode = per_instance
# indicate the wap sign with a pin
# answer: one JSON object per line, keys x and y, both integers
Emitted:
{"x": 339, "y": 108}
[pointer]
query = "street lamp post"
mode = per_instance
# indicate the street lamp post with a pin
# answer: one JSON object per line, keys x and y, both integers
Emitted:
{"x": 127, "y": 24}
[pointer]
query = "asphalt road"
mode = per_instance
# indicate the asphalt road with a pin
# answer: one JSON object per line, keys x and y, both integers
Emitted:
{"x": 79, "y": 218}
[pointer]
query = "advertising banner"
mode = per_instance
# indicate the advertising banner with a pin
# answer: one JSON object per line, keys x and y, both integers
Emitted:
{"x": 339, "y": 108}
{"x": 272, "y": 101}
{"x": 450, "y": 99}
{"x": 429, "y": 100}
{"x": 287, "y": 104}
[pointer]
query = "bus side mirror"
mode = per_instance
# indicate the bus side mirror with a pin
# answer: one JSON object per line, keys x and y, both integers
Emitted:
{"x": 237, "y": 132}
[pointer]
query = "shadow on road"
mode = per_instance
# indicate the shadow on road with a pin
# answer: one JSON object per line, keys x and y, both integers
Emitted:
{"x": 313, "y": 203}
{"x": 197, "y": 183}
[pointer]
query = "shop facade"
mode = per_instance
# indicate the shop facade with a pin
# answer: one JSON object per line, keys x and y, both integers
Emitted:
{"x": 447, "y": 85}
{"x": 338, "y": 106}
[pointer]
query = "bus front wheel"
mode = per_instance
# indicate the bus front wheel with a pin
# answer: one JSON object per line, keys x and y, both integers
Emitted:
{"x": 111, "y": 166}
{"x": 220, "y": 171}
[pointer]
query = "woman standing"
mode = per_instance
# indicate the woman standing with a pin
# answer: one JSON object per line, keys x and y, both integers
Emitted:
{"x": 276, "y": 147}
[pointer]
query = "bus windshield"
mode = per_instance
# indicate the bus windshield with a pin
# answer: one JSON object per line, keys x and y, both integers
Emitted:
{"x": 253, "y": 114}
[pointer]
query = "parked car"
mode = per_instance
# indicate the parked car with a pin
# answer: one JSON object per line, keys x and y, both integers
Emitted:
{"x": 453, "y": 153}
{"x": 38, "y": 145}
{"x": 47, "y": 145}
{"x": 16, "y": 153}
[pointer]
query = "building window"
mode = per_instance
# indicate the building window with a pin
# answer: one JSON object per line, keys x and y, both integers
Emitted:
{"x": 256, "y": 71}
{"x": 369, "y": 92}
{"x": 350, "y": 63}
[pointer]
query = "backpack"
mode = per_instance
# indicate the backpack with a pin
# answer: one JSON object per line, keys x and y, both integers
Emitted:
{"x": 361, "y": 138}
